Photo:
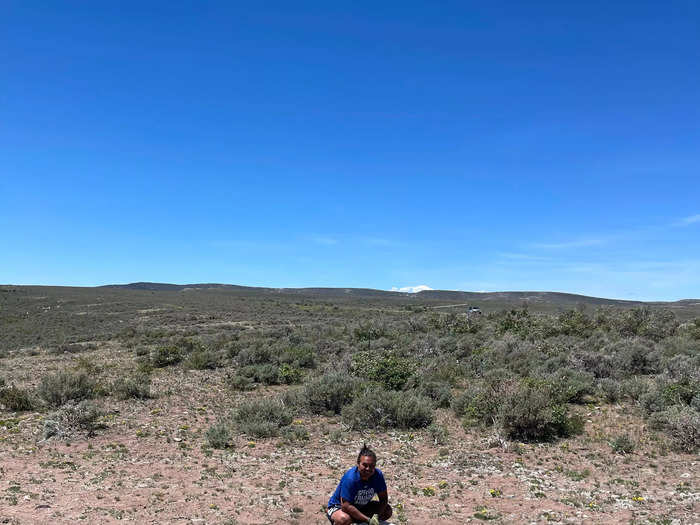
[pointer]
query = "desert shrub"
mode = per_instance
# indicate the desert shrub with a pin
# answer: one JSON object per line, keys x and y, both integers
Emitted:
{"x": 653, "y": 401}
{"x": 530, "y": 412}
{"x": 166, "y": 355}
{"x": 71, "y": 348}
{"x": 388, "y": 369}
{"x": 575, "y": 322}
{"x": 370, "y": 331}
{"x": 634, "y": 356}
{"x": 439, "y": 392}
{"x": 295, "y": 434}
{"x": 256, "y": 355}
{"x": 438, "y": 433}
{"x": 599, "y": 364}
{"x": 72, "y": 417}
{"x": 262, "y": 417}
{"x": 240, "y": 382}
{"x": 299, "y": 357}
{"x": 622, "y": 444}
{"x": 2, "y": 382}
{"x": 61, "y": 387}
{"x": 682, "y": 423}
{"x": 288, "y": 374}
{"x": 609, "y": 389}
{"x": 134, "y": 386}
{"x": 635, "y": 387}
{"x": 695, "y": 403}
{"x": 644, "y": 321}
{"x": 571, "y": 386}
{"x": 219, "y": 435}
{"x": 376, "y": 408}
{"x": 16, "y": 399}
{"x": 203, "y": 360}
{"x": 329, "y": 393}
{"x": 141, "y": 351}
{"x": 267, "y": 374}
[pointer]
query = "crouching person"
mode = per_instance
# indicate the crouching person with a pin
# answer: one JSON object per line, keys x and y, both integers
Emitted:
{"x": 352, "y": 500}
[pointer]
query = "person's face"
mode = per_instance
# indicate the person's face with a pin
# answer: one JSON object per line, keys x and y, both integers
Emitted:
{"x": 366, "y": 467}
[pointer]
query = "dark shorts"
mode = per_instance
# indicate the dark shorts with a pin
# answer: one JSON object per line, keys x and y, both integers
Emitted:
{"x": 371, "y": 508}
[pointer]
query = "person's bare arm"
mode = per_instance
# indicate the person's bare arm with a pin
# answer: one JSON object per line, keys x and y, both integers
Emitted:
{"x": 383, "y": 501}
{"x": 352, "y": 511}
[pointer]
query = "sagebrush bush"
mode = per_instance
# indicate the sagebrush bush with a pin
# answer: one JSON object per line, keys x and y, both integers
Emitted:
{"x": 16, "y": 398}
{"x": 610, "y": 389}
{"x": 203, "y": 360}
{"x": 167, "y": 355}
{"x": 623, "y": 444}
{"x": 133, "y": 386}
{"x": 219, "y": 435}
{"x": 72, "y": 417}
{"x": 266, "y": 374}
{"x": 240, "y": 382}
{"x": 571, "y": 386}
{"x": 530, "y": 412}
{"x": 376, "y": 408}
{"x": 67, "y": 385}
{"x": 329, "y": 393}
{"x": 299, "y": 357}
{"x": 262, "y": 417}
{"x": 440, "y": 393}
{"x": 388, "y": 369}
{"x": 438, "y": 433}
{"x": 295, "y": 434}
{"x": 682, "y": 423}
{"x": 256, "y": 355}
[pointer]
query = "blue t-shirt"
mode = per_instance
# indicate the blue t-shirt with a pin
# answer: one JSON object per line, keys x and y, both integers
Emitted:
{"x": 351, "y": 488}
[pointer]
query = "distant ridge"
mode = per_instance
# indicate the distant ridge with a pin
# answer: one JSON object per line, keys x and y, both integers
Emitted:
{"x": 553, "y": 298}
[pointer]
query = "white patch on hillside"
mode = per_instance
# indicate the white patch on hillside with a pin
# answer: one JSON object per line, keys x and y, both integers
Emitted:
{"x": 411, "y": 289}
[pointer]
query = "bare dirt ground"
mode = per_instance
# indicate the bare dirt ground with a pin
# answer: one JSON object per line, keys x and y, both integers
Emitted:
{"x": 150, "y": 464}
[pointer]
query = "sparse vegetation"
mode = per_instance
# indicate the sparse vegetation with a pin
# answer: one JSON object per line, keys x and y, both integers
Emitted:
{"x": 249, "y": 383}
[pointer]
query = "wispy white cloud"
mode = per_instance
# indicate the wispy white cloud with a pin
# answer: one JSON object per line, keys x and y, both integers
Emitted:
{"x": 579, "y": 243}
{"x": 411, "y": 289}
{"x": 689, "y": 220}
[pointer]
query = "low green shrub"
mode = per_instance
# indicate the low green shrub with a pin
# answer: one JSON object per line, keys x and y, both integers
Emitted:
{"x": 682, "y": 423}
{"x": 376, "y": 408}
{"x": 295, "y": 434}
{"x": 134, "y": 386}
{"x": 203, "y": 360}
{"x": 288, "y": 374}
{"x": 262, "y": 417}
{"x": 440, "y": 393}
{"x": 67, "y": 385}
{"x": 72, "y": 417}
{"x": 299, "y": 357}
{"x": 438, "y": 433}
{"x": 240, "y": 382}
{"x": 530, "y": 412}
{"x": 219, "y": 435}
{"x": 623, "y": 444}
{"x": 266, "y": 374}
{"x": 329, "y": 393}
{"x": 16, "y": 399}
{"x": 167, "y": 355}
{"x": 609, "y": 389}
{"x": 389, "y": 369}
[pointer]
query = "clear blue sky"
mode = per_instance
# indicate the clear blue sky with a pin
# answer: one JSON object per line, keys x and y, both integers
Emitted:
{"x": 500, "y": 145}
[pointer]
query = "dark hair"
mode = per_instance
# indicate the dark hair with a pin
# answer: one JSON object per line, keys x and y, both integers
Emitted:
{"x": 366, "y": 451}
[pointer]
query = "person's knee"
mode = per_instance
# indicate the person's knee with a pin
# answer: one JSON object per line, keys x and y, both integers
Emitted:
{"x": 341, "y": 518}
{"x": 386, "y": 514}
